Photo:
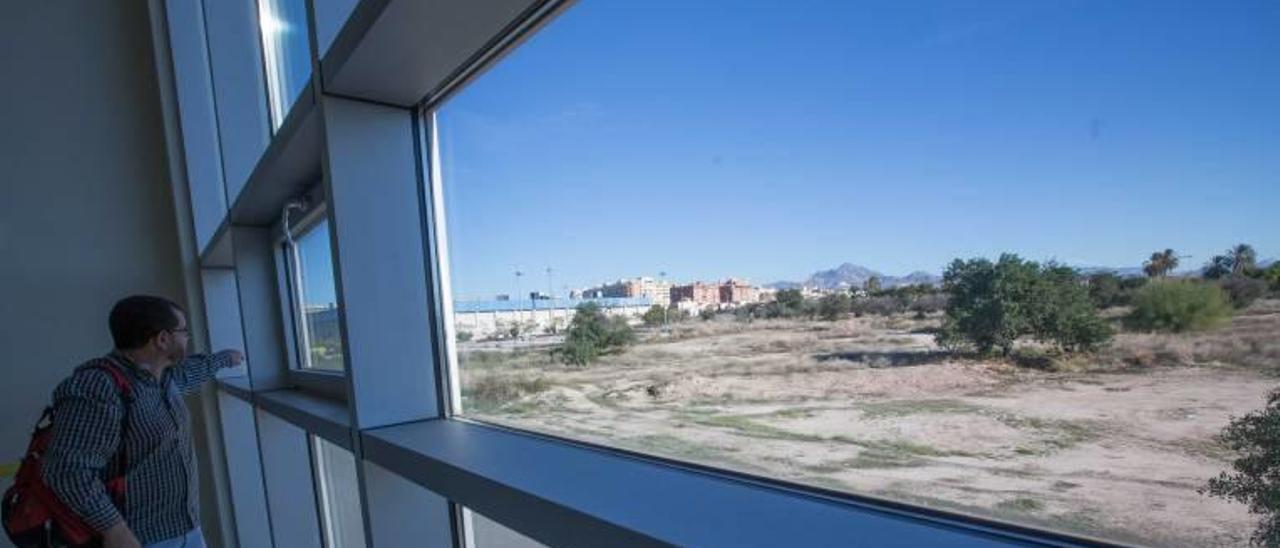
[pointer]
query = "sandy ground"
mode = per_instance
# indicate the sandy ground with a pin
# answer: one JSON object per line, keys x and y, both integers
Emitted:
{"x": 871, "y": 405}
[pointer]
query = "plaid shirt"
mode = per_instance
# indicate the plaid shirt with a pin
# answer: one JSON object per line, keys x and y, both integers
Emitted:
{"x": 162, "y": 485}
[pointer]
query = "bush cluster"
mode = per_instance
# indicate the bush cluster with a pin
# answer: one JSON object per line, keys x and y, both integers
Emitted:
{"x": 1178, "y": 305}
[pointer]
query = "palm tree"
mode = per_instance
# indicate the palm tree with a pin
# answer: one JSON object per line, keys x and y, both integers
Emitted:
{"x": 1243, "y": 258}
{"x": 1160, "y": 264}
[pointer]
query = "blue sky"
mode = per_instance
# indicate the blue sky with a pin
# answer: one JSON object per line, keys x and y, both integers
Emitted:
{"x": 768, "y": 140}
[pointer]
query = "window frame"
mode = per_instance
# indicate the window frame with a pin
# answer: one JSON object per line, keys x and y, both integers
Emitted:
{"x": 474, "y": 431}
{"x": 324, "y": 486}
{"x": 329, "y": 383}
{"x": 278, "y": 114}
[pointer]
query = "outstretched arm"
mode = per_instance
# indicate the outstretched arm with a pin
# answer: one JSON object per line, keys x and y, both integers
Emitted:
{"x": 198, "y": 369}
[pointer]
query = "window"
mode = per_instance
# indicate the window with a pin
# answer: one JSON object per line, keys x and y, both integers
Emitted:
{"x": 916, "y": 252}
{"x": 482, "y": 532}
{"x": 338, "y": 495}
{"x": 310, "y": 262}
{"x": 286, "y": 50}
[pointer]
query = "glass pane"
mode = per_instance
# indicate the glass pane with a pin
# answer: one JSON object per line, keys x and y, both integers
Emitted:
{"x": 482, "y": 532}
{"x": 769, "y": 238}
{"x": 339, "y": 495}
{"x": 320, "y": 337}
{"x": 286, "y": 50}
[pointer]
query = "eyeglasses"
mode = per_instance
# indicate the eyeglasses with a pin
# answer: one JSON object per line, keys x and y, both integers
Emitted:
{"x": 186, "y": 330}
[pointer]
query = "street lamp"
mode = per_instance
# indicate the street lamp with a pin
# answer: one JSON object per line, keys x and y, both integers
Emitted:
{"x": 519, "y": 315}
{"x": 662, "y": 282}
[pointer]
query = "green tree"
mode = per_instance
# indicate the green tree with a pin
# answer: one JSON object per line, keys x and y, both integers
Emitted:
{"x": 1219, "y": 266}
{"x": 872, "y": 285}
{"x": 1243, "y": 259}
{"x": 990, "y": 305}
{"x": 790, "y": 299}
{"x": 1160, "y": 264}
{"x": 1240, "y": 260}
{"x": 1178, "y": 305}
{"x": 1254, "y": 478}
{"x": 987, "y": 303}
{"x": 1063, "y": 313}
{"x": 833, "y": 306}
{"x": 592, "y": 334}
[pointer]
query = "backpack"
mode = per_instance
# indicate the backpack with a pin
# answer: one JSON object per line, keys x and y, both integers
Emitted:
{"x": 33, "y": 516}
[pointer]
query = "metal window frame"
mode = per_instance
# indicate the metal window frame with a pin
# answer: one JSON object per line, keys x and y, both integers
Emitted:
{"x": 329, "y": 383}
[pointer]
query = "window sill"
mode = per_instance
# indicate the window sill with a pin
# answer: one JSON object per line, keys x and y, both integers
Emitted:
{"x": 324, "y": 417}
{"x": 565, "y": 494}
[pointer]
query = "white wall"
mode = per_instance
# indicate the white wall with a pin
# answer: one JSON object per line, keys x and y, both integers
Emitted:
{"x": 86, "y": 211}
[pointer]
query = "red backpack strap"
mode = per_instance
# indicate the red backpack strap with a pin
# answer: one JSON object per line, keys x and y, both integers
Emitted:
{"x": 117, "y": 376}
{"x": 115, "y": 485}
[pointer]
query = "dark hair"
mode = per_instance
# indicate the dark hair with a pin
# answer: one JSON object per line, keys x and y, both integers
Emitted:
{"x": 135, "y": 320}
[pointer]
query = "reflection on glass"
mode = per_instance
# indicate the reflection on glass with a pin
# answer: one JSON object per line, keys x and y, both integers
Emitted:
{"x": 336, "y": 474}
{"x": 482, "y": 532}
{"x": 983, "y": 256}
{"x": 320, "y": 337}
{"x": 286, "y": 52}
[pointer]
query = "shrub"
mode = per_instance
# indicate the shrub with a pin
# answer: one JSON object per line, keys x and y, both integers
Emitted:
{"x": 883, "y": 306}
{"x": 1178, "y": 306}
{"x": 1107, "y": 290}
{"x": 1272, "y": 276}
{"x": 591, "y": 334}
{"x": 833, "y": 306}
{"x": 656, "y": 315}
{"x": 1254, "y": 478}
{"x": 1242, "y": 291}
{"x": 929, "y": 303}
{"x": 464, "y": 336}
{"x": 491, "y": 391}
{"x": 707, "y": 314}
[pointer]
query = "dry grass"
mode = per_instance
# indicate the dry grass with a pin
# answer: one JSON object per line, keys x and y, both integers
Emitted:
{"x": 490, "y": 392}
{"x": 1248, "y": 341}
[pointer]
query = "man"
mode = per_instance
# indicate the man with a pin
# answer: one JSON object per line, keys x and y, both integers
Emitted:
{"x": 92, "y": 425}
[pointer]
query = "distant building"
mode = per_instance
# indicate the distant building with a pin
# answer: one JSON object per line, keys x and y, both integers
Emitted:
{"x": 697, "y": 292}
{"x": 737, "y": 292}
{"x": 730, "y": 292}
{"x": 657, "y": 291}
{"x": 495, "y": 319}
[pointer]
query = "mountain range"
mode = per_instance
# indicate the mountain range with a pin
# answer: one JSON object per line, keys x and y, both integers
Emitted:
{"x": 851, "y": 275}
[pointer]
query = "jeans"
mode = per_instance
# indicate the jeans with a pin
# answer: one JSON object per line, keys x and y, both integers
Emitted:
{"x": 193, "y": 539}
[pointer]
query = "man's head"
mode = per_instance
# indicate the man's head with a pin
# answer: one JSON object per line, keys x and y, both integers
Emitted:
{"x": 152, "y": 328}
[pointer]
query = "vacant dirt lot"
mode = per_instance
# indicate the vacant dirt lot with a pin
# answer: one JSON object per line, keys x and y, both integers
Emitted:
{"x": 1113, "y": 446}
